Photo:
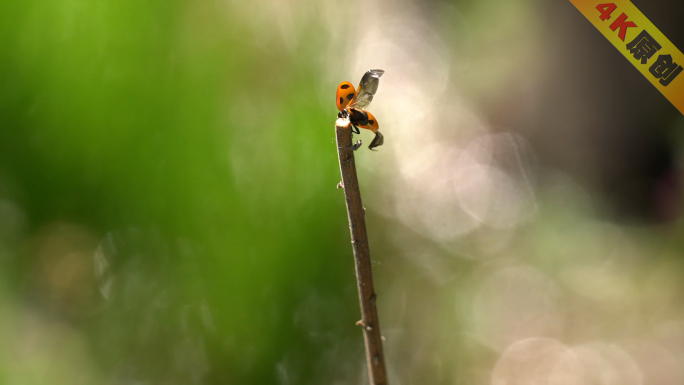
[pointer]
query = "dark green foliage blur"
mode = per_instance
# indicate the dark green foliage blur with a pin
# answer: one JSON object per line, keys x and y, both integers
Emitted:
{"x": 195, "y": 161}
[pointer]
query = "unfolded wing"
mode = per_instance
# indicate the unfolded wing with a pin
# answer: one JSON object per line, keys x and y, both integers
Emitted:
{"x": 367, "y": 88}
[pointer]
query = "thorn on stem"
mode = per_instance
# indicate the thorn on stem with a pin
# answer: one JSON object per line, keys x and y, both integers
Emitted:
{"x": 356, "y": 145}
{"x": 353, "y": 147}
{"x": 363, "y": 325}
{"x": 340, "y": 185}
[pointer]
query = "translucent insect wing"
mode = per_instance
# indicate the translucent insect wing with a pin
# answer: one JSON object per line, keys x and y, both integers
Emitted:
{"x": 362, "y": 101}
{"x": 379, "y": 140}
{"x": 367, "y": 88}
{"x": 370, "y": 80}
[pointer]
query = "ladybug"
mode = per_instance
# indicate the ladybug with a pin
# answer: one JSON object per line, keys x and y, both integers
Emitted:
{"x": 351, "y": 104}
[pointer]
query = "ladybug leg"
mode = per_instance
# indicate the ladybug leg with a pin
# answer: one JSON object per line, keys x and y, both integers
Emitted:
{"x": 355, "y": 129}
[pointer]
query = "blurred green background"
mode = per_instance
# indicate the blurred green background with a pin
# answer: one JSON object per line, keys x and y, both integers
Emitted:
{"x": 168, "y": 210}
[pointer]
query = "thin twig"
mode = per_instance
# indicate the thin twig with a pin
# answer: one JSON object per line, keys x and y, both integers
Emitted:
{"x": 375, "y": 357}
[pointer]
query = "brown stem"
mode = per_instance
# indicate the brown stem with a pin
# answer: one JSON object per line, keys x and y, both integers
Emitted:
{"x": 375, "y": 357}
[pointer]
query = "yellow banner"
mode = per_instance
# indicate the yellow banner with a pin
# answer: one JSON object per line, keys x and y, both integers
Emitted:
{"x": 641, "y": 43}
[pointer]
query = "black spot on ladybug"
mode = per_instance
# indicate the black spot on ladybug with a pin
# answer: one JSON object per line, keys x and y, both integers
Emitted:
{"x": 350, "y": 96}
{"x": 371, "y": 122}
{"x": 344, "y": 86}
{"x": 341, "y": 100}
